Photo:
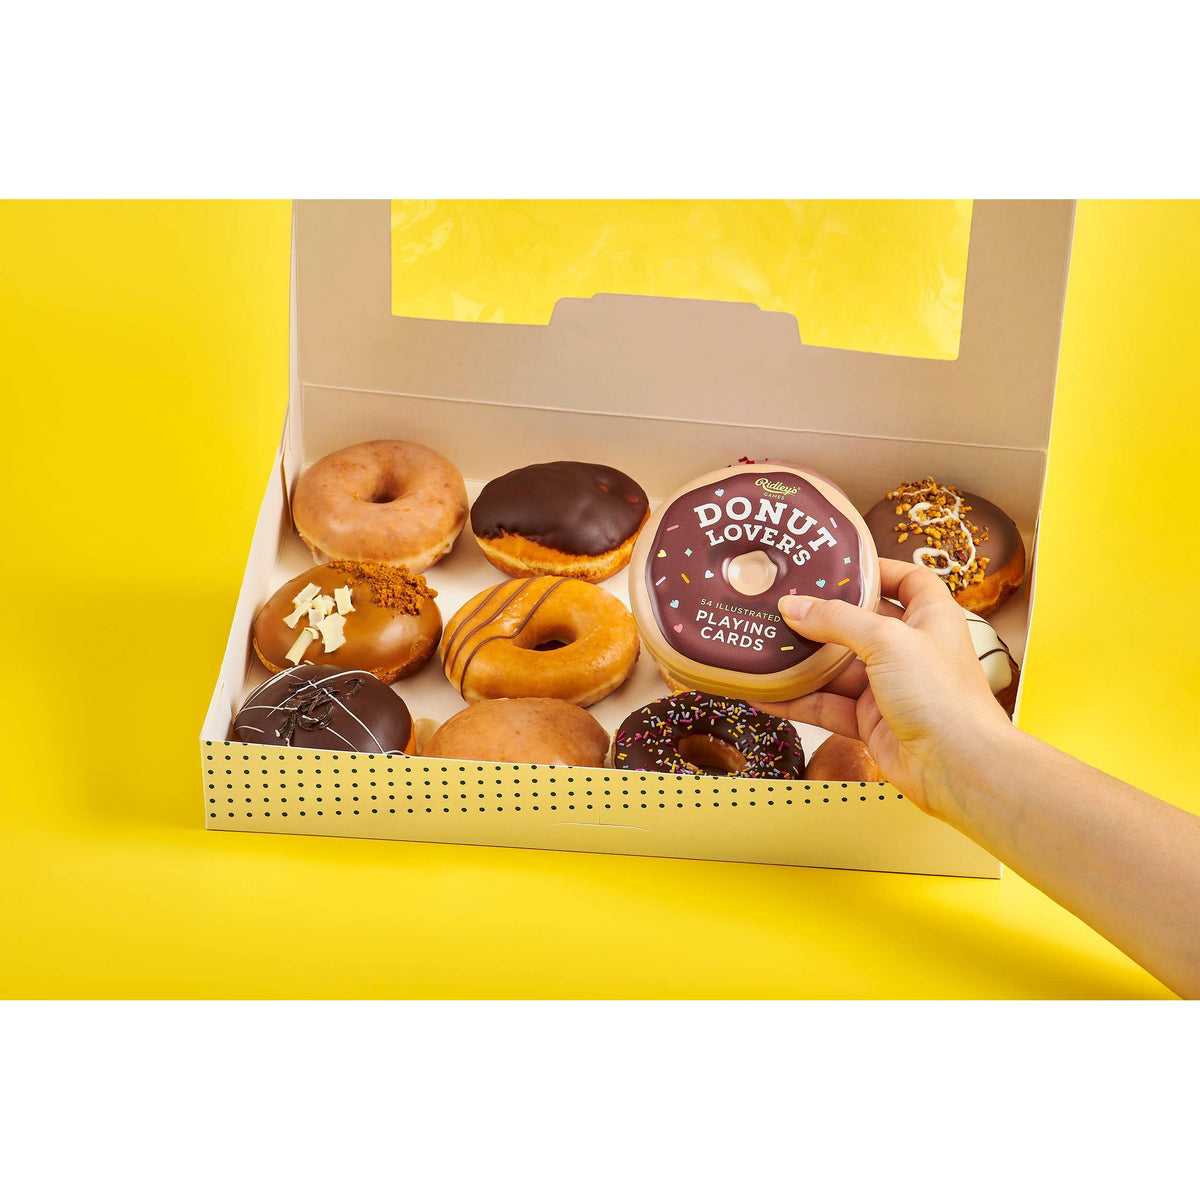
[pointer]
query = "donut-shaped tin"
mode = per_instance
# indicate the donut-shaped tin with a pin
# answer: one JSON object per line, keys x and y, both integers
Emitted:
{"x": 711, "y": 565}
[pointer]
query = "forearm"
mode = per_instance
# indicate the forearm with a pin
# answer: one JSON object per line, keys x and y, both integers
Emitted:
{"x": 1121, "y": 860}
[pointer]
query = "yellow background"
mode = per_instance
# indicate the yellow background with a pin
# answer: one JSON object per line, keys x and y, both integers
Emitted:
{"x": 143, "y": 369}
{"x": 879, "y": 275}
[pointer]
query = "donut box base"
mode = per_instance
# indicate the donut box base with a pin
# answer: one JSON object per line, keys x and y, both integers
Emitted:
{"x": 496, "y": 397}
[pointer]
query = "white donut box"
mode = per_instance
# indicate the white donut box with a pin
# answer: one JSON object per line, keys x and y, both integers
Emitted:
{"x": 665, "y": 390}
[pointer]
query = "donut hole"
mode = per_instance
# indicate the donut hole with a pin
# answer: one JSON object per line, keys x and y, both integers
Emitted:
{"x": 550, "y": 635}
{"x": 711, "y": 754}
{"x": 386, "y": 490}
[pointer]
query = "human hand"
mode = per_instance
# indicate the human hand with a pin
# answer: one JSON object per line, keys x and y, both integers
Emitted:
{"x": 916, "y": 695}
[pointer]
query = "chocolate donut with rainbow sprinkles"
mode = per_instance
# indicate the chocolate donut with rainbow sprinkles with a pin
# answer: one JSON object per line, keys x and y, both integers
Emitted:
{"x": 692, "y": 733}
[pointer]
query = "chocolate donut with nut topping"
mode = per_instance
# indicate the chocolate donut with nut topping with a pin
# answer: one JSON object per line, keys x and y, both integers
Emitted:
{"x": 973, "y": 545}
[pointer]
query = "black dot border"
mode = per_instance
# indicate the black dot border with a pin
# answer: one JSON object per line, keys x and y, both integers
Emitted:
{"x": 409, "y": 788}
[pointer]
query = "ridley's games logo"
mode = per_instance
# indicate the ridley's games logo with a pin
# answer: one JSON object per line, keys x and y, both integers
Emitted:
{"x": 775, "y": 489}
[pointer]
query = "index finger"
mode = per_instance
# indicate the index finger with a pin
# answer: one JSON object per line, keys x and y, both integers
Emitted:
{"x": 909, "y": 582}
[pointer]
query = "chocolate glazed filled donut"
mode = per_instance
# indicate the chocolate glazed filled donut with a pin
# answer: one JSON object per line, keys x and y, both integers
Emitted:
{"x": 712, "y": 564}
{"x": 561, "y": 518}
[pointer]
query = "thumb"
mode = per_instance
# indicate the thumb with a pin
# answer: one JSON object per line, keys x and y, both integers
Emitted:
{"x": 866, "y": 633}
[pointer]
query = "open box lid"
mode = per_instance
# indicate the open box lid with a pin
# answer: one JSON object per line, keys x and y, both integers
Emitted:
{"x": 720, "y": 380}
{"x": 635, "y": 354}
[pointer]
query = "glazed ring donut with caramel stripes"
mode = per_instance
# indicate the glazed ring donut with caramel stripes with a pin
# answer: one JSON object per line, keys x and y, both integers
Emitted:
{"x": 546, "y": 636}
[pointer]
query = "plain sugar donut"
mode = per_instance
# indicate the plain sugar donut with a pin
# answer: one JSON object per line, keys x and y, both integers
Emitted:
{"x": 385, "y": 501}
{"x": 533, "y": 729}
{"x": 546, "y": 636}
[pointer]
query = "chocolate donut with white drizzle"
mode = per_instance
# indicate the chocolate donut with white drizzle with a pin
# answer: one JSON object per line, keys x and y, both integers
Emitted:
{"x": 322, "y": 708}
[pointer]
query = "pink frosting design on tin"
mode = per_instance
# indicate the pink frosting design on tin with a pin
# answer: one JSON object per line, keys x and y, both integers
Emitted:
{"x": 737, "y": 529}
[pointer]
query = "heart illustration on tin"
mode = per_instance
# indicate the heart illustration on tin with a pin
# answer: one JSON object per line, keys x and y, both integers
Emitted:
{"x": 662, "y": 554}
{"x": 709, "y": 575}
{"x": 674, "y": 603}
{"x": 820, "y": 583}
{"x": 677, "y": 628}
{"x": 719, "y": 492}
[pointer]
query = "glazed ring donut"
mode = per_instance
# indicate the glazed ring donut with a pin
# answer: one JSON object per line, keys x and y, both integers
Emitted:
{"x": 973, "y": 545}
{"x": 540, "y": 637}
{"x": 534, "y": 729}
{"x": 386, "y": 501}
{"x": 693, "y": 733}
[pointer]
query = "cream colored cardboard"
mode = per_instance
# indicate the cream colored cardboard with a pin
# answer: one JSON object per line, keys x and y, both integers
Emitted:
{"x": 665, "y": 390}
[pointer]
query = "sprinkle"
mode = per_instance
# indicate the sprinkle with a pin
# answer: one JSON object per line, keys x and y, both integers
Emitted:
{"x": 846, "y": 560}
{"x": 684, "y": 578}
{"x": 833, "y": 522}
{"x": 660, "y": 582}
{"x": 787, "y": 647}
{"x": 688, "y": 553}
{"x": 671, "y": 527}
{"x": 844, "y": 582}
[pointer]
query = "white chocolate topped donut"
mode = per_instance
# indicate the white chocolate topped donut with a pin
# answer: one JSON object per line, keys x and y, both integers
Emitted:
{"x": 999, "y": 666}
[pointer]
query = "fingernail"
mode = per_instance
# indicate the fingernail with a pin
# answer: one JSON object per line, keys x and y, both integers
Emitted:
{"x": 795, "y": 608}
